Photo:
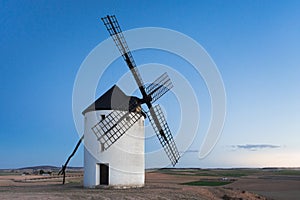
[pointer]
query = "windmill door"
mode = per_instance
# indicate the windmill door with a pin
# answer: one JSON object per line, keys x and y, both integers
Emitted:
{"x": 104, "y": 171}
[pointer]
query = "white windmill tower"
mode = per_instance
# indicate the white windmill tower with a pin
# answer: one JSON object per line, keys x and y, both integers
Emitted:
{"x": 115, "y": 161}
{"x": 114, "y": 127}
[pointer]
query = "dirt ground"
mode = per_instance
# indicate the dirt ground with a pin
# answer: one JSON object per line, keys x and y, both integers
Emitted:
{"x": 275, "y": 187}
{"x": 158, "y": 186}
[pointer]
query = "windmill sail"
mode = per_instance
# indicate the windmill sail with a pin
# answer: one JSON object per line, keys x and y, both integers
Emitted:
{"x": 164, "y": 134}
{"x": 109, "y": 130}
{"x": 115, "y": 32}
{"x": 159, "y": 87}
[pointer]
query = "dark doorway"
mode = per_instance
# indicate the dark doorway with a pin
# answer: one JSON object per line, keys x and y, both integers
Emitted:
{"x": 104, "y": 171}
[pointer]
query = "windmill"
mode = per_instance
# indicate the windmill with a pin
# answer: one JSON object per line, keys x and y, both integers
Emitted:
{"x": 117, "y": 117}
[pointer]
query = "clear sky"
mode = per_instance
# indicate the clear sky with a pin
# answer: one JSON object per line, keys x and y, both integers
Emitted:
{"x": 255, "y": 45}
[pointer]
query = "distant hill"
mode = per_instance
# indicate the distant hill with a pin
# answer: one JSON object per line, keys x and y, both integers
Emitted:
{"x": 48, "y": 167}
{"x": 42, "y": 167}
{"x": 38, "y": 167}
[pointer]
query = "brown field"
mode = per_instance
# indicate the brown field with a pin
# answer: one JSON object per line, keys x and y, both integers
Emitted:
{"x": 162, "y": 184}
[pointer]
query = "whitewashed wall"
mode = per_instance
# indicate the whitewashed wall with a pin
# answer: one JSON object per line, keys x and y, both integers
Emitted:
{"x": 125, "y": 157}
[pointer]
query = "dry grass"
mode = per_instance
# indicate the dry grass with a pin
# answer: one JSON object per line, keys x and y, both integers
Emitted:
{"x": 165, "y": 184}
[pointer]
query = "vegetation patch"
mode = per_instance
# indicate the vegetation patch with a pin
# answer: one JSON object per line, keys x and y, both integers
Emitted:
{"x": 236, "y": 174}
{"x": 205, "y": 172}
{"x": 288, "y": 172}
{"x": 208, "y": 183}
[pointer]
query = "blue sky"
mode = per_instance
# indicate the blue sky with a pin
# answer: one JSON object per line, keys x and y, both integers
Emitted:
{"x": 255, "y": 45}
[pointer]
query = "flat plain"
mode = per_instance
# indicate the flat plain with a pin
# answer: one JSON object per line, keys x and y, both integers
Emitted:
{"x": 235, "y": 184}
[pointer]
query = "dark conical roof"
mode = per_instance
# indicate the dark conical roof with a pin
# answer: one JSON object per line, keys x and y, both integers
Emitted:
{"x": 112, "y": 99}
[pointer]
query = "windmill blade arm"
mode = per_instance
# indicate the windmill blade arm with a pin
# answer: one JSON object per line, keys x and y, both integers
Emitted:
{"x": 109, "y": 130}
{"x": 163, "y": 133}
{"x": 132, "y": 66}
{"x": 159, "y": 87}
{"x": 112, "y": 25}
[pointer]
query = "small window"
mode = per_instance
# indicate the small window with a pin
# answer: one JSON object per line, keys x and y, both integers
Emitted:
{"x": 102, "y": 117}
{"x": 102, "y": 146}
